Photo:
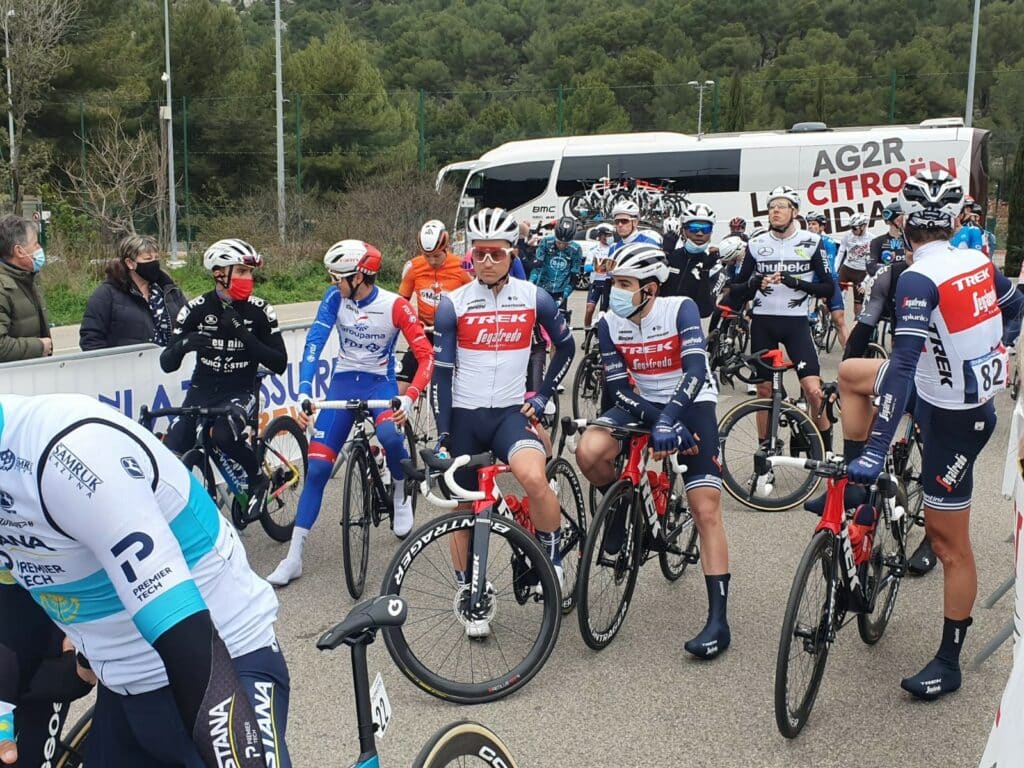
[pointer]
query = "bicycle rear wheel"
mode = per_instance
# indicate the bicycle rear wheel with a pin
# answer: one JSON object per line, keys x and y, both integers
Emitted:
{"x": 907, "y": 460}
{"x": 804, "y": 643}
{"x": 611, "y": 562}
{"x": 282, "y": 454}
{"x": 679, "y": 526}
{"x": 879, "y": 576}
{"x": 433, "y": 649}
{"x": 456, "y": 743}
{"x": 566, "y": 485}
{"x": 782, "y": 487}
{"x": 875, "y": 351}
{"x": 587, "y": 383}
{"x": 71, "y": 752}
{"x": 195, "y": 462}
{"x": 356, "y": 518}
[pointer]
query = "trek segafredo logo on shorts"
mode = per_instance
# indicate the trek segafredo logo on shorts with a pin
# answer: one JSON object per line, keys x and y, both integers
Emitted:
{"x": 954, "y": 473}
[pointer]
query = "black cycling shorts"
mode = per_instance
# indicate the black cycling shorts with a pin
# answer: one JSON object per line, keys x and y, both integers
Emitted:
{"x": 599, "y": 293}
{"x": 181, "y": 436}
{"x": 504, "y": 431}
{"x": 702, "y": 470}
{"x": 952, "y": 441}
{"x": 794, "y": 333}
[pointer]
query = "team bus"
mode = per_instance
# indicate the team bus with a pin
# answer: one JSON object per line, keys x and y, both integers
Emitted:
{"x": 839, "y": 171}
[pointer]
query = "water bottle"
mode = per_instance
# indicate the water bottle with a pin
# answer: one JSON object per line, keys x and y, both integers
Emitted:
{"x": 382, "y": 464}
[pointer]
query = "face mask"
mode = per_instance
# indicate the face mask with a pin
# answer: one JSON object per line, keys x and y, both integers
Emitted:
{"x": 240, "y": 287}
{"x": 148, "y": 270}
{"x": 621, "y": 302}
{"x": 38, "y": 259}
{"x": 692, "y": 247}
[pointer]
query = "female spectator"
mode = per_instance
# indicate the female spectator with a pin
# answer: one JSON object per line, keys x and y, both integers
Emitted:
{"x": 136, "y": 304}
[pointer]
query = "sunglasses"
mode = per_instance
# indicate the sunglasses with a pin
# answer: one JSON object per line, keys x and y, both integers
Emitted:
{"x": 780, "y": 207}
{"x": 493, "y": 255}
{"x": 699, "y": 229}
{"x": 620, "y": 222}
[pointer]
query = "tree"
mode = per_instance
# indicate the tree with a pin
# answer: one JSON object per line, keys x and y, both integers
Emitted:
{"x": 1015, "y": 233}
{"x": 735, "y": 105}
{"x": 36, "y": 29}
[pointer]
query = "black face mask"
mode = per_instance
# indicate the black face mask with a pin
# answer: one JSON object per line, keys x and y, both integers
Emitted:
{"x": 148, "y": 270}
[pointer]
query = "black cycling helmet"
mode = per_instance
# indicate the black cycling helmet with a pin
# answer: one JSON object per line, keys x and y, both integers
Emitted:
{"x": 891, "y": 212}
{"x": 565, "y": 229}
{"x": 818, "y": 217}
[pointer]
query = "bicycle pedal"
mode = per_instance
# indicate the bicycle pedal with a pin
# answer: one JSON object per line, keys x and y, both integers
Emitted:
{"x": 692, "y": 557}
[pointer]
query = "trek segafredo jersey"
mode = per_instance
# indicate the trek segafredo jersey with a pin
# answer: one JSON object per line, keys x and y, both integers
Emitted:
{"x": 116, "y": 540}
{"x": 800, "y": 255}
{"x": 951, "y": 299}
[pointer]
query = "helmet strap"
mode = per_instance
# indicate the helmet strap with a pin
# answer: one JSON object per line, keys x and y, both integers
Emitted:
{"x": 500, "y": 281}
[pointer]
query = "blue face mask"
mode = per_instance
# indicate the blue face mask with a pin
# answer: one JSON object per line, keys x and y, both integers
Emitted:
{"x": 692, "y": 247}
{"x": 38, "y": 259}
{"x": 621, "y": 302}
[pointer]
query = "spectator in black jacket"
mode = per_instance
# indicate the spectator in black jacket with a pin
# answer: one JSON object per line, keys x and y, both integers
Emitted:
{"x": 136, "y": 304}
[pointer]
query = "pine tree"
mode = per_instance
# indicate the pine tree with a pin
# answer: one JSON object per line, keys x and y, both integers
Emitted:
{"x": 1015, "y": 231}
{"x": 735, "y": 105}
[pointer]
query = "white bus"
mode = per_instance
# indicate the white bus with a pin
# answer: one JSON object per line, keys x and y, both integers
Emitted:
{"x": 838, "y": 171}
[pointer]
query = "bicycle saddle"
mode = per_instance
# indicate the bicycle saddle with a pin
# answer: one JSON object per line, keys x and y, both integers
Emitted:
{"x": 365, "y": 618}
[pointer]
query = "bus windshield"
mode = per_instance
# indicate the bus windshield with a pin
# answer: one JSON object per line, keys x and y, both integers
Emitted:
{"x": 507, "y": 186}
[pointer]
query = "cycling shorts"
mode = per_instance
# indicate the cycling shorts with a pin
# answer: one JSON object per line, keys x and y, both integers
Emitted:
{"x": 146, "y": 729}
{"x": 599, "y": 293}
{"x": 836, "y": 303}
{"x": 703, "y": 470}
{"x": 855, "y": 276}
{"x": 409, "y": 364}
{"x": 952, "y": 441}
{"x": 794, "y": 333}
{"x": 181, "y": 436}
{"x": 504, "y": 431}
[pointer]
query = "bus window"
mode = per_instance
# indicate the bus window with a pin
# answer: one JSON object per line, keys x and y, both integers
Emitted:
{"x": 508, "y": 186}
{"x": 715, "y": 170}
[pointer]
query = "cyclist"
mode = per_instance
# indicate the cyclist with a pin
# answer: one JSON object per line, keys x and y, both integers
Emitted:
{"x": 852, "y": 259}
{"x": 694, "y": 259}
{"x": 432, "y": 273}
{"x": 950, "y": 304}
{"x": 128, "y": 555}
{"x": 368, "y": 320}
{"x": 738, "y": 227}
{"x": 597, "y": 295}
{"x": 657, "y": 343}
{"x": 969, "y": 234}
{"x": 626, "y": 218}
{"x": 779, "y": 270}
{"x": 232, "y": 333}
{"x": 482, "y": 339}
{"x": 671, "y": 231}
{"x": 816, "y": 223}
{"x": 558, "y": 259}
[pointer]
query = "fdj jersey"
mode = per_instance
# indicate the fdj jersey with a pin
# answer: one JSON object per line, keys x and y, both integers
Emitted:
{"x": 801, "y": 255}
{"x": 116, "y": 540}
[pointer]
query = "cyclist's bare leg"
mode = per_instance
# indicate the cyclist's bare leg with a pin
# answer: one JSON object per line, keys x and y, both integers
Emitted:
{"x": 856, "y": 392}
{"x": 596, "y": 454}
{"x": 839, "y": 320}
{"x": 588, "y": 314}
{"x": 706, "y": 507}
{"x": 949, "y": 533}
{"x": 459, "y": 544}
{"x": 811, "y": 386}
{"x": 764, "y": 389}
{"x": 403, "y": 387}
{"x": 528, "y": 467}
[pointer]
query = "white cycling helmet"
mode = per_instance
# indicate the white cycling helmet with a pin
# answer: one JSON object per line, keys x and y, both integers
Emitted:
{"x": 858, "y": 220}
{"x": 346, "y": 257}
{"x": 698, "y": 212}
{"x": 642, "y": 261}
{"x": 492, "y": 224}
{"x": 758, "y": 231}
{"x": 931, "y": 200}
{"x": 231, "y": 253}
{"x": 626, "y": 207}
{"x": 671, "y": 224}
{"x": 786, "y": 192}
{"x": 731, "y": 247}
{"x": 653, "y": 234}
{"x": 433, "y": 236}
{"x": 602, "y": 229}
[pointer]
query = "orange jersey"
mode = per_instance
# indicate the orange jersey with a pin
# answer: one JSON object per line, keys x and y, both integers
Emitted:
{"x": 428, "y": 284}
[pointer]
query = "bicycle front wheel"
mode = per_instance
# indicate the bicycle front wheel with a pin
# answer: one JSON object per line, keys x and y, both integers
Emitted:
{"x": 679, "y": 529}
{"x": 566, "y": 485}
{"x": 587, "y": 383}
{"x": 611, "y": 562}
{"x": 805, "y": 639}
{"x": 458, "y": 656}
{"x": 464, "y": 743}
{"x": 740, "y": 435}
{"x": 880, "y": 580}
{"x": 283, "y": 457}
{"x": 355, "y": 518}
{"x": 72, "y": 745}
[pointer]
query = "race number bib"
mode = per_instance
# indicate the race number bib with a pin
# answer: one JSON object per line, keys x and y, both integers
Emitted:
{"x": 986, "y": 375}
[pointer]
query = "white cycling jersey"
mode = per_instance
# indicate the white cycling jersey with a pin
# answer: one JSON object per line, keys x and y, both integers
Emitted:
{"x": 596, "y": 253}
{"x": 801, "y": 255}
{"x": 116, "y": 540}
{"x": 854, "y": 251}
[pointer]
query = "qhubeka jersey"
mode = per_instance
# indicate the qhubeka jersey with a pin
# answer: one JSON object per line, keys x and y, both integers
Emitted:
{"x": 116, "y": 540}
{"x": 367, "y": 333}
{"x": 800, "y": 255}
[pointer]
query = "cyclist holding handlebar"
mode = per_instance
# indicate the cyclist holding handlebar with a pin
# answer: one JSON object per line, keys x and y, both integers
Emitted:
{"x": 658, "y": 341}
{"x": 368, "y": 320}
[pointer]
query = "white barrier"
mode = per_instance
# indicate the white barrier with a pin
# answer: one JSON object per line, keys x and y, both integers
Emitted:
{"x": 127, "y": 378}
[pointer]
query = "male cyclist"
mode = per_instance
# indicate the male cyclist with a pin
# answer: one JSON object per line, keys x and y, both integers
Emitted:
{"x": 779, "y": 270}
{"x": 693, "y": 260}
{"x": 852, "y": 259}
{"x": 482, "y": 335}
{"x": 558, "y": 259}
{"x": 232, "y": 333}
{"x": 816, "y": 223}
{"x": 127, "y": 553}
{"x": 950, "y": 304}
{"x": 434, "y": 272}
{"x": 368, "y": 320}
{"x": 738, "y": 227}
{"x": 626, "y": 218}
{"x": 657, "y": 343}
{"x": 598, "y": 257}
{"x": 888, "y": 248}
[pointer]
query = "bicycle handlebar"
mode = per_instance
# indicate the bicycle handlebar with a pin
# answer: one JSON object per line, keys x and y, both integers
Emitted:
{"x": 211, "y": 411}
{"x": 353, "y": 405}
{"x": 834, "y": 468}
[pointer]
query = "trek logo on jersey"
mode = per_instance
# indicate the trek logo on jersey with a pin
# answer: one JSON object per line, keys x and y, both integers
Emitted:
{"x": 969, "y": 299}
{"x": 496, "y": 330}
{"x": 132, "y": 468}
{"x": 9, "y": 461}
{"x": 954, "y": 472}
{"x": 73, "y": 468}
{"x": 942, "y": 365}
{"x": 652, "y": 356}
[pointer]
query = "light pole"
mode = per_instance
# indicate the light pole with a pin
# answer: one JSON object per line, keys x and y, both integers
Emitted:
{"x": 281, "y": 213}
{"x": 701, "y": 87}
{"x": 10, "y": 96}
{"x": 969, "y": 110}
{"x": 172, "y": 207}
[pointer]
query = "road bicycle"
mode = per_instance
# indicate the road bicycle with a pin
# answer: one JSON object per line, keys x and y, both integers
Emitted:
{"x": 831, "y": 587}
{"x": 69, "y": 751}
{"x": 367, "y": 498}
{"x": 823, "y": 327}
{"x": 643, "y": 513}
{"x": 482, "y": 639}
{"x": 281, "y": 450}
{"x": 775, "y": 425}
{"x": 728, "y": 342}
{"x": 459, "y": 743}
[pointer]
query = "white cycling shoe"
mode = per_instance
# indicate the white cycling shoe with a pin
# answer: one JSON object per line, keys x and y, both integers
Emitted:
{"x": 287, "y": 570}
{"x": 560, "y": 575}
{"x": 402, "y": 521}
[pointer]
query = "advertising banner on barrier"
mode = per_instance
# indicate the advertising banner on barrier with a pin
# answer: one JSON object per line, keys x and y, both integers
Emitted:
{"x": 130, "y": 378}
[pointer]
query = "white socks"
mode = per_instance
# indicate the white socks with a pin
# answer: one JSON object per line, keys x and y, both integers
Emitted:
{"x": 402, "y": 522}
{"x": 290, "y": 568}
